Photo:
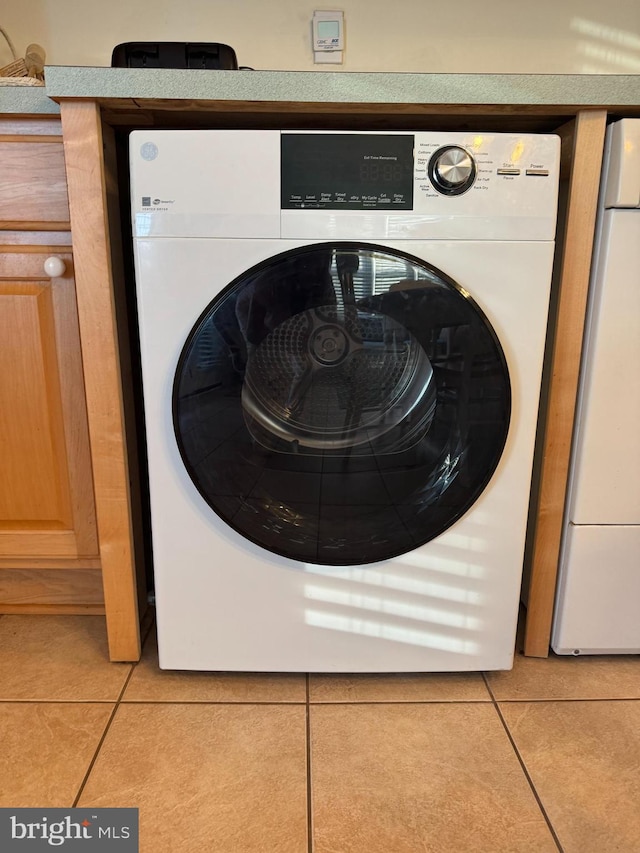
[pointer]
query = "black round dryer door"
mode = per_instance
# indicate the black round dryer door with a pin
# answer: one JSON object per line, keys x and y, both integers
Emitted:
{"x": 341, "y": 403}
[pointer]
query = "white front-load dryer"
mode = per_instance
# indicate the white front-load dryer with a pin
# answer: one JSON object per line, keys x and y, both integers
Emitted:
{"x": 342, "y": 337}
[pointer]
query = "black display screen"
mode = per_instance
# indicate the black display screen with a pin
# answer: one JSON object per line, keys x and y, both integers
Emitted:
{"x": 347, "y": 171}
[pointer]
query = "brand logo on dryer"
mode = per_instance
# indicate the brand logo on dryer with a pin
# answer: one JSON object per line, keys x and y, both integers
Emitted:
{"x": 154, "y": 203}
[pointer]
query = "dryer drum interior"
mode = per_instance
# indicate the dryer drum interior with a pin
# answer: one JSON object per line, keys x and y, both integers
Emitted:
{"x": 341, "y": 403}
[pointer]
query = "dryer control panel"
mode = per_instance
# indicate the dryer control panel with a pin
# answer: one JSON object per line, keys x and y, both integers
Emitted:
{"x": 359, "y": 171}
{"x": 311, "y": 184}
{"x": 424, "y": 184}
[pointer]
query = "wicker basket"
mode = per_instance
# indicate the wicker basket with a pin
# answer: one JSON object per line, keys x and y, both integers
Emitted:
{"x": 17, "y": 68}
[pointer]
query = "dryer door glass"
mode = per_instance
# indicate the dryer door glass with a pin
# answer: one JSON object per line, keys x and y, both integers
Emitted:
{"x": 341, "y": 403}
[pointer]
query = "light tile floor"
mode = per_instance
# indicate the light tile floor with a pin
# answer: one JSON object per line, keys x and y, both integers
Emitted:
{"x": 543, "y": 758}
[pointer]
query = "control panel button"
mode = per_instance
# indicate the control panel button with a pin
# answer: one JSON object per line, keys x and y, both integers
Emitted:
{"x": 542, "y": 173}
{"x": 508, "y": 171}
{"x": 452, "y": 170}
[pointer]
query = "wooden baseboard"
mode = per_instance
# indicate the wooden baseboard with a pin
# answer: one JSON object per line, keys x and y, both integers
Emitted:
{"x": 50, "y": 610}
{"x": 64, "y": 563}
{"x": 51, "y": 590}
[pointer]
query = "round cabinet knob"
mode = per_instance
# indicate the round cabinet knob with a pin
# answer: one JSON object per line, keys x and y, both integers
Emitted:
{"x": 54, "y": 267}
{"x": 452, "y": 170}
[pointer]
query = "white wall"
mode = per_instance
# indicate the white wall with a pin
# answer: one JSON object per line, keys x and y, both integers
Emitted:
{"x": 546, "y": 36}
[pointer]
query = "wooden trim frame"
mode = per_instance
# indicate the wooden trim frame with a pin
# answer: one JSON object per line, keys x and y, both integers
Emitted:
{"x": 83, "y": 147}
{"x": 588, "y": 146}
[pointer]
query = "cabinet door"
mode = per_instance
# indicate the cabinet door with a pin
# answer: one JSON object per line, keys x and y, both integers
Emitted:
{"x": 46, "y": 488}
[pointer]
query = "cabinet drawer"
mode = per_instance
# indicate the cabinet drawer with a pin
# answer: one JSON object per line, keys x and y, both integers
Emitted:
{"x": 33, "y": 186}
{"x": 29, "y": 265}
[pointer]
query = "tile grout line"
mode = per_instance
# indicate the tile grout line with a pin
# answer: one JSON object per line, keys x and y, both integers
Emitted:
{"x": 346, "y": 702}
{"x": 110, "y": 720}
{"x": 567, "y": 699}
{"x": 308, "y": 757}
{"x": 323, "y": 703}
{"x": 57, "y": 701}
{"x": 101, "y": 741}
{"x": 523, "y": 766}
{"x": 228, "y": 702}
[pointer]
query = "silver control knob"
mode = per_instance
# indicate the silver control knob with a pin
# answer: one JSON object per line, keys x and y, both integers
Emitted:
{"x": 452, "y": 170}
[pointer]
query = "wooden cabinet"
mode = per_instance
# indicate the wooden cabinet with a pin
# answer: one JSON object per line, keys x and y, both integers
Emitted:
{"x": 49, "y": 550}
